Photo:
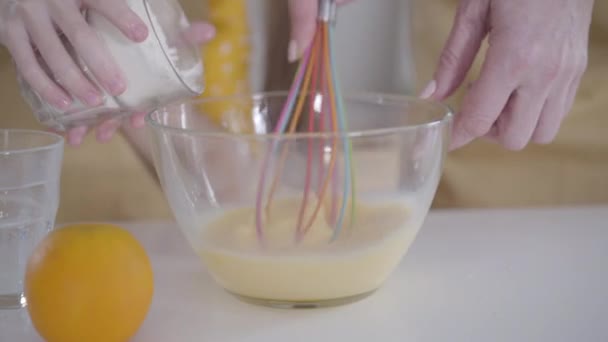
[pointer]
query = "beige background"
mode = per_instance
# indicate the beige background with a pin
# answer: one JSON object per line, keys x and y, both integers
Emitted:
{"x": 111, "y": 181}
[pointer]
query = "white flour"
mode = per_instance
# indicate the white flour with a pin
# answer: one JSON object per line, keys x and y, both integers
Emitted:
{"x": 154, "y": 72}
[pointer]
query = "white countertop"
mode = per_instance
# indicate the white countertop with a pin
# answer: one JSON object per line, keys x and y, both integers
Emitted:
{"x": 499, "y": 275}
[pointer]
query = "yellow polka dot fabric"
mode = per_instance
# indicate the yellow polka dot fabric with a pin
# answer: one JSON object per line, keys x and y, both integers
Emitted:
{"x": 226, "y": 60}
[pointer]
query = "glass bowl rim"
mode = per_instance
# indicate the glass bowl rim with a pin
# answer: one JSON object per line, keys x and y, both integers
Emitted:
{"x": 57, "y": 141}
{"x": 371, "y": 97}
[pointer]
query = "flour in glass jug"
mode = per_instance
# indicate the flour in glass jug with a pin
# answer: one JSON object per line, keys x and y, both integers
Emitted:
{"x": 163, "y": 68}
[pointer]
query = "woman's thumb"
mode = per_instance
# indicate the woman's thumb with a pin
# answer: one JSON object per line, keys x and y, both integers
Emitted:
{"x": 459, "y": 52}
{"x": 303, "y": 14}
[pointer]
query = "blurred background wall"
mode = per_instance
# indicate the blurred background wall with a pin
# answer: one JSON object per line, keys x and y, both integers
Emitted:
{"x": 386, "y": 46}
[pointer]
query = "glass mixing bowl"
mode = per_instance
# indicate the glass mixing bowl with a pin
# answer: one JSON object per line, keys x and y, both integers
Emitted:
{"x": 311, "y": 243}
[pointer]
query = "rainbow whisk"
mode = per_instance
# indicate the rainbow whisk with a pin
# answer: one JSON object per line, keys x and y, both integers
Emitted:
{"x": 315, "y": 81}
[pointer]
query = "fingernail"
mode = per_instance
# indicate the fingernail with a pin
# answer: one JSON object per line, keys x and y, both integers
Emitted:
{"x": 209, "y": 32}
{"x": 106, "y": 135}
{"x": 92, "y": 98}
{"x": 138, "y": 120}
{"x": 139, "y": 32}
{"x": 117, "y": 86}
{"x": 429, "y": 90}
{"x": 106, "y": 130}
{"x": 292, "y": 51}
{"x": 63, "y": 102}
{"x": 76, "y": 135}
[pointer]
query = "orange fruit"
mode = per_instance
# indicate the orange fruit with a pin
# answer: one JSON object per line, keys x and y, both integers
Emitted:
{"x": 88, "y": 282}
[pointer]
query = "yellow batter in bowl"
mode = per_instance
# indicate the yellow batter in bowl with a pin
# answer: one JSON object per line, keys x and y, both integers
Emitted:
{"x": 314, "y": 270}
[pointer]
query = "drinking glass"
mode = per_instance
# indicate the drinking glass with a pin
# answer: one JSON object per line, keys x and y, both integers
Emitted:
{"x": 30, "y": 167}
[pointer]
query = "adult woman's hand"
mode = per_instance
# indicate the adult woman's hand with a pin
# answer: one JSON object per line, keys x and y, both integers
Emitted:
{"x": 32, "y": 31}
{"x": 537, "y": 54}
{"x": 303, "y": 15}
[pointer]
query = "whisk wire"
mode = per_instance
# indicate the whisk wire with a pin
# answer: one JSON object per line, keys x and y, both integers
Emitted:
{"x": 316, "y": 73}
{"x": 349, "y": 184}
{"x": 311, "y": 126}
{"x": 334, "y": 123}
{"x": 309, "y": 74}
{"x": 280, "y": 127}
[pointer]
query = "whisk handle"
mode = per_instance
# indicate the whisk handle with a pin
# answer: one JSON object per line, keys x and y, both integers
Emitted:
{"x": 327, "y": 10}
